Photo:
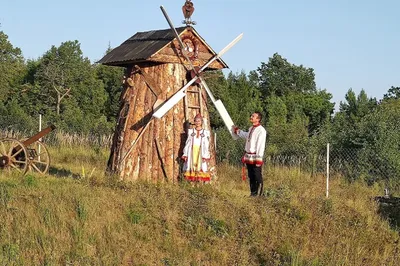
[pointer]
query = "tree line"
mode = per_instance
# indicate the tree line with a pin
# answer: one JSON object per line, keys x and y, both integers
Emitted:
{"x": 62, "y": 85}
{"x": 83, "y": 97}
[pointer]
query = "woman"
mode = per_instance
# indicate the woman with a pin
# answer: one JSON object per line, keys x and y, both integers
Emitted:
{"x": 196, "y": 153}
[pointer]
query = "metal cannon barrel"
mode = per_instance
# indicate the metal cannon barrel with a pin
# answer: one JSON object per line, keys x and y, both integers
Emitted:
{"x": 37, "y": 136}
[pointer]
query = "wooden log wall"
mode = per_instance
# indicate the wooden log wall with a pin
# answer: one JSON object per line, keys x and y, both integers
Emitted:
{"x": 150, "y": 148}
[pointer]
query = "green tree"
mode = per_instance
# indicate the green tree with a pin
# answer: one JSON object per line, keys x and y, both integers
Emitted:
{"x": 285, "y": 136}
{"x": 111, "y": 77}
{"x": 295, "y": 85}
{"x": 243, "y": 97}
{"x": 317, "y": 106}
{"x": 30, "y": 96}
{"x": 393, "y": 93}
{"x": 356, "y": 107}
{"x": 346, "y": 122}
{"x": 11, "y": 66}
{"x": 240, "y": 97}
{"x": 379, "y": 133}
{"x": 14, "y": 117}
{"x": 279, "y": 77}
{"x": 60, "y": 69}
{"x": 276, "y": 124}
{"x": 74, "y": 95}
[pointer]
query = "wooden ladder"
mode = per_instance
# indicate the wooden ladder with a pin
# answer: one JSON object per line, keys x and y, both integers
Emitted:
{"x": 193, "y": 101}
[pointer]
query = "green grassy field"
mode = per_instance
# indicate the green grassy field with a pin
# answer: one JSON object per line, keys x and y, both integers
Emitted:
{"x": 78, "y": 216}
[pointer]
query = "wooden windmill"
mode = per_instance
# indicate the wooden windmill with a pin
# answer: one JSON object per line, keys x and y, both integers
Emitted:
{"x": 163, "y": 91}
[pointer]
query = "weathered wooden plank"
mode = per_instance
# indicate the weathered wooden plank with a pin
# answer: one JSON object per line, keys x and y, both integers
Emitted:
{"x": 178, "y": 118}
{"x": 136, "y": 125}
{"x": 113, "y": 159}
{"x": 169, "y": 79}
{"x": 124, "y": 134}
{"x": 156, "y": 131}
{"x": 146, "y": 141}
{"x": 149, "y": 81}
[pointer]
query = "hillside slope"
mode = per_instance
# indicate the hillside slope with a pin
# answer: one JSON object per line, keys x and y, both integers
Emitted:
{"x": 76, "y": 216}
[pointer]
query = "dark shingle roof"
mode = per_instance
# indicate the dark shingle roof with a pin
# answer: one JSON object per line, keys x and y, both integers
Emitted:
{"x": 139, "y": 47}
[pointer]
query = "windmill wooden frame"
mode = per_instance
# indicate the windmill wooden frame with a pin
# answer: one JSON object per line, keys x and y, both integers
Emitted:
{"x": 156, "y": 70}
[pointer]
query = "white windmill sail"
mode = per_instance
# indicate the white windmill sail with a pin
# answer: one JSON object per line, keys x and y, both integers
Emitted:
{"x": 182, "y": 92}
{"x": 163, "y": 109}
{"x": 225, "y": 117}
{"x": 220, "y": 109}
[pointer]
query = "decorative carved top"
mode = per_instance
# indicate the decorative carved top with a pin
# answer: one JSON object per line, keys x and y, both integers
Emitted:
{"x": 188, "y": 10}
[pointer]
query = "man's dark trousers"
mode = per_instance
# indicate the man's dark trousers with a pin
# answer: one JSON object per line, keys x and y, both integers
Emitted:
{"x": 256, "y": 181}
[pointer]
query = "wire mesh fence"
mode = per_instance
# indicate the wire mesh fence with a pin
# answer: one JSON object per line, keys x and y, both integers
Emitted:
{"x": 366, "y": 163}
{"x": 370, "y": 164}
{"x": 61, "y": 138}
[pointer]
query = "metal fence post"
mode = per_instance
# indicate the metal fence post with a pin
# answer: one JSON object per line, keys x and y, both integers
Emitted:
{"x": 215, "y": 141}
{"x": 327, "y": 170}
{"x": 40, "y": 129}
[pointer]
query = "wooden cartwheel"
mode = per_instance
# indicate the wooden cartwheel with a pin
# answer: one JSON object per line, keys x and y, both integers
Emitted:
{"x": 21, "y": 156}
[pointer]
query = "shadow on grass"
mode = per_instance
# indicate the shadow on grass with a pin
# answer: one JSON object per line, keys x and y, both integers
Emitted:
{"x": 62, "y": 172}
{"x": 389, "y": 209}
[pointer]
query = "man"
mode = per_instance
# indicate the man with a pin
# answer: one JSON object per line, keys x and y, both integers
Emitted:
{"x": 255, "y": 146}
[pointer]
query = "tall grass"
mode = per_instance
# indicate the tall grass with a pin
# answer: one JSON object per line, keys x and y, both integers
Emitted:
{"x": 61, "y": 138}
{"x": 79, "y": 216}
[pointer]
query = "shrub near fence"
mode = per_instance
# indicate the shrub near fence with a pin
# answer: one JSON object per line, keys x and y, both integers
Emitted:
{"x": 368, "y": 163}
{"x": 276, "y": 154}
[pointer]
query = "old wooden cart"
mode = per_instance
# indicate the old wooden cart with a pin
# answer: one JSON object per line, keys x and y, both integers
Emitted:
{"x": 23, "y": 155}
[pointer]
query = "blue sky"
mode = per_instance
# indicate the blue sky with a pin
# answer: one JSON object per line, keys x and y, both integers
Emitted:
{"x": 349, "y": 44}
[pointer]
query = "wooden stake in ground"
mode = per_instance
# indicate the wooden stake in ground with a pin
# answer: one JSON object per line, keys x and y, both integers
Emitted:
{"x": 160, "y": 157}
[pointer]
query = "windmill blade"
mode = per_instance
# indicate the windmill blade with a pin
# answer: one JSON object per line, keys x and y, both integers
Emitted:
{"x": 223, "y": 51}
{"x": 225, "y": 117}
{"x": 177, "y": 37}
{"x": 172, "y": 27}
{"x": 203, "y": 82}
{"x": 229, "y": 46}
{"x": 220, "y": 109}
{"x": 163, "y": 109}
{"x": 181, "y": 93}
